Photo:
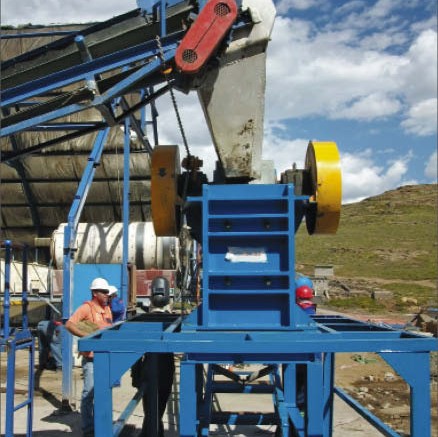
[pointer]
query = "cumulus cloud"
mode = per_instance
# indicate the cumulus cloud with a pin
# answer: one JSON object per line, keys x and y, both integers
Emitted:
{"x": 362, "y": 177}
{"x": 284, "y": 6}
{"x": 422, "y": 118}
{"x": 418, "y": 77}
{"x": 376, "y": 105}
{"x": 430, "y": 170}
{"x": 56, "y": 12}
{"x": 320, "y": 73}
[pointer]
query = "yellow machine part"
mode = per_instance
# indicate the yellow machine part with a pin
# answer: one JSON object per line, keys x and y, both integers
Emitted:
{"x": 324, "y": 166}
{"x": 165, "y": 201}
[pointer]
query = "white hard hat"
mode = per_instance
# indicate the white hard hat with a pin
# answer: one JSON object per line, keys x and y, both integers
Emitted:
{"x": 100, "y": 284}
{"x": 112, "y": 290}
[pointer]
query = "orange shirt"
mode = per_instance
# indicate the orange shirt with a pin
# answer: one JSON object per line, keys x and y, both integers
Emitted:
{"x": 91, "y": 311}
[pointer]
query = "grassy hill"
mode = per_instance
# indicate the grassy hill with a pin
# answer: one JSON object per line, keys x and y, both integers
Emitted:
{"x": 389, "y": 241}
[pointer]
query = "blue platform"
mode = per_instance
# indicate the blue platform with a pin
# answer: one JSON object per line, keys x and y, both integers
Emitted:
{"x": 249, "y": 315}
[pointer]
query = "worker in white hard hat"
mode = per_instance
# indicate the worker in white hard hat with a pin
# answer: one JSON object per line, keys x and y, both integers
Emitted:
{"x": 91, "y": 316}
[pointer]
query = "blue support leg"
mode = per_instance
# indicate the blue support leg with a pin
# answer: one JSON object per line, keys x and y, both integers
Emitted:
{"x": 103, "y": 416}
{"x": 414, "y": 368}
{"x": 30, "y": 387}
{"x": 207, "y": 403}
{"x": 10, "y": 388}
{"x": 188, "y": 398}
{"x": 329, "y": 381}
{"x": 279, "y": 402}
{"x": 290, "y": 399}
{"x": 314, "y": 411}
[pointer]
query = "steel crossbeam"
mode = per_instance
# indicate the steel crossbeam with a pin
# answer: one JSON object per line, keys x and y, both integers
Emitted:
{"x": 401, "y": 349}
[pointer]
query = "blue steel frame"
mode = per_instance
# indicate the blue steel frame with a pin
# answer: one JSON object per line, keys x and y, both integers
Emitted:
{"x": 280, "y": 347}
{"x": 87, "y": 71}
{"x": 14, "y": 339}
{"x": 118, "y": 348}
{"x": 70, "y": 233}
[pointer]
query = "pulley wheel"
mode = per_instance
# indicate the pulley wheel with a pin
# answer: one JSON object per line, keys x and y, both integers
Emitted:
{"x": 165, "y": 201}
{"x": 324, "y": 168}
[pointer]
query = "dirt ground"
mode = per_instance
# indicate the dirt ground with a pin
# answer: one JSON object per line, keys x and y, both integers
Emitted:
{"x": 373, "y": 383}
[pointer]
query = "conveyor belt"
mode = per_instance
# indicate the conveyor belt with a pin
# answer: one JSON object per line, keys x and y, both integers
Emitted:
{"x": 101, "y": 39}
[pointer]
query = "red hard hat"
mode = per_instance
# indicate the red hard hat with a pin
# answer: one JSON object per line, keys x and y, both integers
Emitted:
{"x": 304, "y": 292}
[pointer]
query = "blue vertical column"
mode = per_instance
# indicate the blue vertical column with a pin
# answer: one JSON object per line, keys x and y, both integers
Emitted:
{"x": 68, "y": 260}
{"x": 414, "y": 368}
{"x": 126, "y": 195}
{"x": 314, "y": 412}
{"x": 24, "y": 290}
{"x": 10, "y": 388}
{"x": 7, "y": 289}
{"x": 290, "y": 396}
{"x": 103, "y": 416}
{"x": 291, "y": 254}
{"x": 30, "y": 387}
{"x": 278, "y": 399}
{"x": 207, "y": 403}
{"x": 329, "y": 382}
{"x": 187, "y": 400}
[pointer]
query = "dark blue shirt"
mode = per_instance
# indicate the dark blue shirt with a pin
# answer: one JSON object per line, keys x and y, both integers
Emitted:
{"x": 117, "y": 309}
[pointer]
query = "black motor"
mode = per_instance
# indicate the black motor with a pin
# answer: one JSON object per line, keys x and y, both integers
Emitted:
{"x": 160, "y": 292}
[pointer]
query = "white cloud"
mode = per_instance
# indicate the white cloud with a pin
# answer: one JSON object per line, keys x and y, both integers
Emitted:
{"x": 418, "y": 76}
{"x": 362, "y": 177}
{"x": 319, "y": 74}
{"x": 422, "y": 118}
{"x": 430, "y": 170}
{"x": 382, "y": 8}
{"x": 283, "y": 6}
{"x": 349, "y": 7}
{"x": 376, "y": 105}
{"x": 335, "y": 73}
{"x": 56, "y": 12}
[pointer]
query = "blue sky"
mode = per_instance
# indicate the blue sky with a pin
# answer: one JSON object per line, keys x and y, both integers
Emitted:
{"x": 362, "y": 73}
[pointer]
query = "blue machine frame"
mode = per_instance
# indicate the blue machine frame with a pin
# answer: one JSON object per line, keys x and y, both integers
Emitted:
{"x": 265, "y": 218}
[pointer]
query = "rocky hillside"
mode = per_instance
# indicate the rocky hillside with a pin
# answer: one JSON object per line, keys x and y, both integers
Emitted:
{"x": 386, "y": 245}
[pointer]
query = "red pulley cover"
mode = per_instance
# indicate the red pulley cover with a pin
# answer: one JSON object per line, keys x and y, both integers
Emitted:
{"x": 205, "y": 34}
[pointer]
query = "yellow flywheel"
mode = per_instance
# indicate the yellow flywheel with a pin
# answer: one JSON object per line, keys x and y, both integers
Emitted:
{"x": 324, "y": 168}
{"x": 165, "y": 201}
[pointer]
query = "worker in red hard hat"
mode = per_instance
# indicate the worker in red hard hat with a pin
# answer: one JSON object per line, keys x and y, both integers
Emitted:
{"x": 304, "y": 299}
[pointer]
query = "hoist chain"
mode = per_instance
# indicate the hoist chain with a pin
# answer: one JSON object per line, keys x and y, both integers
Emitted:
{"x": 172, "y": 95}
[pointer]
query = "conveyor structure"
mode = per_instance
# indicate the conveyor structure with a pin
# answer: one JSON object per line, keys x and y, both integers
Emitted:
{"x": 246, "y": 228}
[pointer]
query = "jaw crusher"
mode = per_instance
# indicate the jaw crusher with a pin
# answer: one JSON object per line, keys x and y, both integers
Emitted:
{"x": 245, "y": 228}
